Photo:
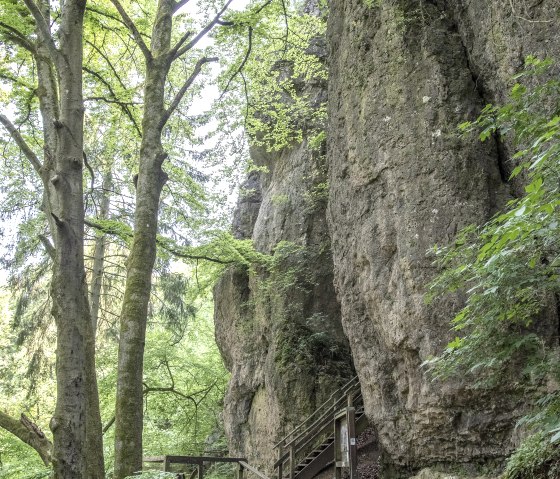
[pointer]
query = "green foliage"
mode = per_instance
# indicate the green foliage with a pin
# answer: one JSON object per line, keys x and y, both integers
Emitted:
{"x": 302, "y": 348}
{"x": 153, "y": 475}
{"x": 536, "y": 458}
{"x": 289, "y": 268}
{"x": 16, "y": 460}
{"x": 286, "y": 55}
{"x": 509, "y": 267}
{"x": 184, "y": 384}
{"x": 221, "y": 470}
{"x": 25, "y": 471}
{"x": 281, "y": 290}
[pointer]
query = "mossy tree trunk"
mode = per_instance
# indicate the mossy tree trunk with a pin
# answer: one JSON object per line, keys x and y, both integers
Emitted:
{"x": 158, "y": 57}
{"x": 76, "y": 424}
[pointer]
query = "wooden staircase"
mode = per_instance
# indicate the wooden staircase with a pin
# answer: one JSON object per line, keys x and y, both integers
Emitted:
{"x": 307, "y": 450}
{"x": 310, "y": 447}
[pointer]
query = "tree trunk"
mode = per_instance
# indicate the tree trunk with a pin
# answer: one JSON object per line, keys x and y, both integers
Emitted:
{"x": 151, "y": 178}
{"x": 76, "y": 422}
{"x": 94, "y": 437}
{"x": 68, "y": 289}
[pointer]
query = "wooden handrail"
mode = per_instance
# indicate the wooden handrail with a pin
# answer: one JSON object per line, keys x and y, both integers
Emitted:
{"x": 342, "y": 391}
{"x": 200, "y": 460}
{"x": 192, "y": 459}
{"x": 252, "y": 469}
{"x": 305, "y": 435}
{"x": 326, "y": 416}
{"x": 319, "y": 427}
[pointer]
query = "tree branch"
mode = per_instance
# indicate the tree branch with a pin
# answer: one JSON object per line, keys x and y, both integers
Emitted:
{"x": 27, "y": 151}
{"x": 123, "y": 105}
{"x": 125, "y": 233}
{"x": 89, "y": 8}
{"x": 108, "y": 425}
{"x": 202, "y": 32}
{"x": 29, "y": 433}
{"x": 173, "y": 52}
{"x": 179, "y": 96}
{"x": 171, "y": 389}
{"x": 240, "y": 69}
{"x": 18, "y": 81}
{"x": 112, "y": 101}
{"x": 179, "y": 4}
{"x": 109, "y": 63}
{"x": 225, "y": 23}
{"x": 48, "y": 246}
{"x": 17, "y": 37}
{"x": 43, "y": 27}
{"x": 133, "y": 29}
{"x": 262, "y": 7}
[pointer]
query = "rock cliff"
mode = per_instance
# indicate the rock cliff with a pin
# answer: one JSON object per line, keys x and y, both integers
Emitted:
{"x": 403, "y": 75}
{"x": 280, "y": 331}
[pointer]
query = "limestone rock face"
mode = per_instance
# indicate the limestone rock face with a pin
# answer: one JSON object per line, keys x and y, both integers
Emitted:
{"x": 403, "y": 75}
{"x": 279, "y": 331}
{"x": 351, "y": 273}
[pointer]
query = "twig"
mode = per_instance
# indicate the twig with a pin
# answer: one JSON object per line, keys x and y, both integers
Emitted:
{"x": 133, "y": 29}
{"x": 245, "y": 58}
{"x": 203, "y": 32}
{"x": 178, "y": 97}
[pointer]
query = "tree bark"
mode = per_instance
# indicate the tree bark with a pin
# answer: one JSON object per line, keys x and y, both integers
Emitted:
{"x": 151, "y": 178}
{"x": 150, "y": 181}
{"x": 76, "y": 424}
{"x": 68, "y": 287}
{"x": 29, "y": 433}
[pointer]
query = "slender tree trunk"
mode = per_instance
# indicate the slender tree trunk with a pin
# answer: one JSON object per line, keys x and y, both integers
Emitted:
{"x": 151, "y": 178}
{"x": 95, "y": 464}
{"x": 68, "y": 290}
{"x": 99, "y": 254}
{"x": 94, "y": 437}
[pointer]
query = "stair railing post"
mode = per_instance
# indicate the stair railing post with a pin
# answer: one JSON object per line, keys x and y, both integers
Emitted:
{"x": 336, "y": 449}
{"x": 165, "y": 464}
{"x": 352, "y": 446}
{"x": 240, "y": 471}
{"x": 292, "y": 460}
{"x": 280, "y": 461}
